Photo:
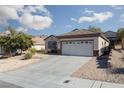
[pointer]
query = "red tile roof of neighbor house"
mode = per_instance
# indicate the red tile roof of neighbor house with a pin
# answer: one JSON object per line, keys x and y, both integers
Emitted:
{"x": 38, "y": 40}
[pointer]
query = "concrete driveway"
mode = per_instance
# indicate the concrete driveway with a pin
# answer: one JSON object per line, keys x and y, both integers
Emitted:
{"x": 52, "y": 72}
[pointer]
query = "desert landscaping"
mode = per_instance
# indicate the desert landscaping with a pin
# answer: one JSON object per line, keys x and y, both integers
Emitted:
{"x": 109, "y": 68}
{"x": 16, "y": 62}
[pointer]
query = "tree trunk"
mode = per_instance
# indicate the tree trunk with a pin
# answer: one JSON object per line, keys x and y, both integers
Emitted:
{"x": 21, "y": 51}
{"x": 10, "y": 52}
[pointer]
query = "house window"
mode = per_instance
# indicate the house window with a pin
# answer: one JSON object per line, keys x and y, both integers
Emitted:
{"x": 78, "y": 42}
{"x": 52, "y": 44}
{"x": 66, "y": 42}
{"x": 73, "y": 42}
{"x": 82, "y": 42}
{"x": 102, "y": 44}
{"x": 105, "y": 43}
{"x": 90, "y": 42}
{"x": 70, "y": 42}
{"x": 86, "y": 41}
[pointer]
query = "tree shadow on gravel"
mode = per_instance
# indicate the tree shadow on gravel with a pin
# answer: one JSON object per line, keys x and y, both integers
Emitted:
{"x": 102, "y": 62}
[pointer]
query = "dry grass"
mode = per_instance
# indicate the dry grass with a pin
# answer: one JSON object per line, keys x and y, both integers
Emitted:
{"x": 115, "y": 73}
{"x": 16, "y": 62}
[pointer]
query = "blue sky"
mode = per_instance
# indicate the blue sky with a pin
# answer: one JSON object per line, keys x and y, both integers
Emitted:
{"x": 57, "y": 19}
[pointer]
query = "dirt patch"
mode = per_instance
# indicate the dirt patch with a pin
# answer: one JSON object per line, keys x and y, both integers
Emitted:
{"x": 16, "y": 62}
{"x": 103, "y": 70}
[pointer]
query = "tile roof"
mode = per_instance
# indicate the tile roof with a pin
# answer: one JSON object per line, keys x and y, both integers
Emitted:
{"x": 110, "y": 34}
{"x": 79, "y": 32}
{"x": 82, "y": 32}
{"x": 39, "y": 40}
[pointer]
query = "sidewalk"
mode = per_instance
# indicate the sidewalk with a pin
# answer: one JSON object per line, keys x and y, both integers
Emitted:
{"x": 85, "y": 83}
{"x": 67, "y": 82}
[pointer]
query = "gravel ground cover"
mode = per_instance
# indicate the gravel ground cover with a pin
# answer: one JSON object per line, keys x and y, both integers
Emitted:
{"x": 17, "y": 62}
{"x": 110, "y": 69}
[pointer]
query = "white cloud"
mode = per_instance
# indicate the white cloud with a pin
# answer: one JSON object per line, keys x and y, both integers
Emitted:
{"x": 43, "y": 9}
{"x": 27, "y": 16}
{"x": 7, "y": 12}
{"x": 16, "y": 7}
{"x": 36, "y": 8}
{"x": 122, "y": 17}
{"x": 74, "y": 19}
{"x": 118, "y": 7}
{"x": 86, "y": 19}
{"x": 35, "y": 21}
{"x": 68, "y": 26}
{"x": 21, "y": 29}
{"x": 87, "y": 11}
{"x": 100, "y": 17}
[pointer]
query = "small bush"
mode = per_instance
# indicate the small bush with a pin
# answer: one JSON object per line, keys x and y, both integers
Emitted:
{"x": 32, "y": 50}
{"x": 28, "y": 55}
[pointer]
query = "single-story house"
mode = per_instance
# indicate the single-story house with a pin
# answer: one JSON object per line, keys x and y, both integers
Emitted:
{"x": 78, "y": 42}
{"x": 39, "y": 43}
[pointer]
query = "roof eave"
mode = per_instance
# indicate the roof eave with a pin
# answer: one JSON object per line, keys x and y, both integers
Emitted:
{"x": 49, "y": 36}
{"x": 77, "y": 36}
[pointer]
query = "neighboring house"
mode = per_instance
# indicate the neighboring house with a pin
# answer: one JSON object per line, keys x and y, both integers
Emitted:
{"x": 39, "y": 43}
{"x": 112, "y": 36}
{"x": 78, "y": 42}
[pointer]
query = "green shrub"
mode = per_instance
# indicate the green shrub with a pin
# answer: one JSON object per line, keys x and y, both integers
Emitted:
{"x": 28, "y": 55}
{"x": 32, "y": 50}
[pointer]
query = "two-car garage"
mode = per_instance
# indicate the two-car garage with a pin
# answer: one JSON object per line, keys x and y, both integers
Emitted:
{"x": 77, "y": 47}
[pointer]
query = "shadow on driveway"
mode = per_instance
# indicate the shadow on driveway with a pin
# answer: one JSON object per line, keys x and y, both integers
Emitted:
{"x": 8, "y": 85}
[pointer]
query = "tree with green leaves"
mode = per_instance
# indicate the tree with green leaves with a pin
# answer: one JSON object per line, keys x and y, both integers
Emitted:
{"x": 24, "y": 41}
{"x": 120, "y": 35}
{"x": 15, "y": 41}
{"x": 95, "y": 29}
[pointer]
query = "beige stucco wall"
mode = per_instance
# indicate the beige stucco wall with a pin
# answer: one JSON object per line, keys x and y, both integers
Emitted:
{"x": 102, "y": 43}
{"x": 39, "y": 47}
{"x": 51, "y": 38}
